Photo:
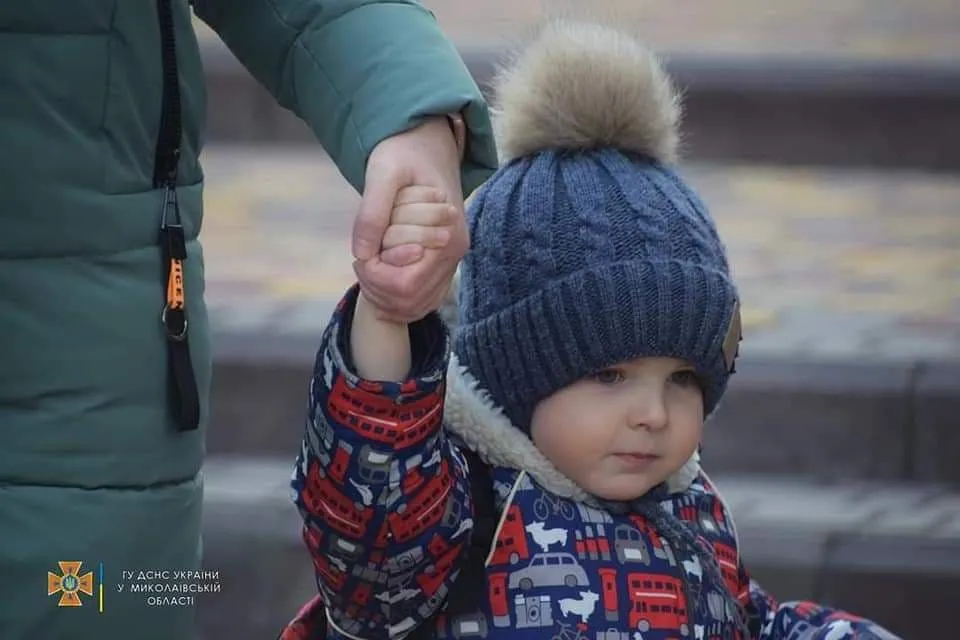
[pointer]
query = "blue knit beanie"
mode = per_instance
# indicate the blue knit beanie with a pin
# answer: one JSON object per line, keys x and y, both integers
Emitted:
{"x": 587, "y": 247}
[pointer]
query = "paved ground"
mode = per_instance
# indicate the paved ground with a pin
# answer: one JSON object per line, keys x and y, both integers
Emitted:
{"x": 831, "y": 264}
{"x": 890, "y": 552}
{"x": 802, "y": 506}
{"x": 901, "y": 30}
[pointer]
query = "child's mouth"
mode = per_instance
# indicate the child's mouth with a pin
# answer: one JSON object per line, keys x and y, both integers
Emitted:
{"x": 636, "y": 460}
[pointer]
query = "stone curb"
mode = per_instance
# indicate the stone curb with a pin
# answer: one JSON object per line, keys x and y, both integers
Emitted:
{"x": 778, "y": 110}
{"x": 826, "y": 419}
{"x": 823, "y": 542}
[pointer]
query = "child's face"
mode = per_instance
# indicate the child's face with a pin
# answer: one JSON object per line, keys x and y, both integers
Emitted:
{"x": 624, "y": 430}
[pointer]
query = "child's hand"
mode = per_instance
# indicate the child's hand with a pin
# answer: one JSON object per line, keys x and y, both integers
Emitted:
{"x": 422, "y": 223}
{"x": 421, "y": 219}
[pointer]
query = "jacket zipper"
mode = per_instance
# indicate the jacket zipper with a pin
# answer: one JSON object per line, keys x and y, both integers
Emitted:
{"x": 184, "y": 397}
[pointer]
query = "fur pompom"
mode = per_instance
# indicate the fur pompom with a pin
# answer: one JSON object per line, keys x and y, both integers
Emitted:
{"x": 582, "y": 85}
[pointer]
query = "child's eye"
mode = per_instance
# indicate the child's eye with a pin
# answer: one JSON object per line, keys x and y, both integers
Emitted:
{"x": 608, "y": 376}
{"x": 685, "y": 378}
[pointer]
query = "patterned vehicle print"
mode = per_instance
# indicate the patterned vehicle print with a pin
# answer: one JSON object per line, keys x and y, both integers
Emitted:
{"x": 550, "y": 570}
{"x": 323, "y": 498}
{"x": 511, "y": 545}
{"x": 374, "y": 465}
{"x": 630, "y": 545}
{"x": 387, "y": 513}
{"x": 657, "y": 602}
{"x": 425, "y": 509}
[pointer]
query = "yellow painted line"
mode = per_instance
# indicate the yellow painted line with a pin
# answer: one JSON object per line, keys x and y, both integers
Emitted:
{"x": 757, "y": 318}
{"x": 919, "y": 227}
{"x": 894, "y": 260}
{"x": 310, "y": 288}
{"x": 908, "y": 303}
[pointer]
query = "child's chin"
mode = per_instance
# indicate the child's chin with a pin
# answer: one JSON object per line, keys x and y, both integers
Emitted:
{"x": 621, "y": 490}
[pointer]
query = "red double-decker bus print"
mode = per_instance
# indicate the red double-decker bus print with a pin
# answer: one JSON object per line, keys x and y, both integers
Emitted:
{"x": 363, "y": 413}
{"x": 379, "y": 418}
{"x": 433, "y": 579}
{"x": 411, "y": 480}
{"x": 333, "y": 577}
{"x": 364, "y": 397}
{"x": 418, "y": 419}
{"x": 729, "y": 566}
{"x": 657, "y": 601}
{"x": 324, "y": 500}
{"x": 438, "y": 546}
{"x": 341, "y": 461}
{"x": 426, "y": 508}
{"x": 511, "y": 545}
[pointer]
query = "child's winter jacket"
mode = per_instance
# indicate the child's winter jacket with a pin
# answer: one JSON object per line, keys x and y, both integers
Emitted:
{"x": 384, "y": 493}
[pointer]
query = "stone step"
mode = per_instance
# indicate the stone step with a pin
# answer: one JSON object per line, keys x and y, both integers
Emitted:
{"x": 850, "y": 364}
{"x": 739, "y": 107}
{"x": 888, "y": 551}
{"x": 821, "y": 419}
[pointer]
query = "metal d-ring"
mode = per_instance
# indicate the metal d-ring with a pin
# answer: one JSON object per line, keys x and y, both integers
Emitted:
{"x": 176, "y": 337}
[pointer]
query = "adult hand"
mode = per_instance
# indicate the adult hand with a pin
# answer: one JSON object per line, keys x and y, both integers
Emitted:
{"x": 406, "y": 283}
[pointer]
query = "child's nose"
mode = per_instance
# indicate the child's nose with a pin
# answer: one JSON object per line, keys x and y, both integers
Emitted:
{"x": 648, "y": 410}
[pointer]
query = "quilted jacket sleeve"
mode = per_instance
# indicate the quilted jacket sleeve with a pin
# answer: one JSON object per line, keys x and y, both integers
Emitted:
{"x": 357, "y": 71}
{"x": 787, "y": 620}
{"x": 383, "y": 494}
{"x": 767, "y": 618}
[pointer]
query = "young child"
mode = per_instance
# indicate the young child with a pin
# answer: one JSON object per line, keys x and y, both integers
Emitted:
{"x": 595, "y": 328}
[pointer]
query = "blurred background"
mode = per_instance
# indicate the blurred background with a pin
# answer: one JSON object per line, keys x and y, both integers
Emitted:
{"x": 825, "y": 136}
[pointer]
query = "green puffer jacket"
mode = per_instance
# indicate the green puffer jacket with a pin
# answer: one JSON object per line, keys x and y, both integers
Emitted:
{"x": 92, "y": 467}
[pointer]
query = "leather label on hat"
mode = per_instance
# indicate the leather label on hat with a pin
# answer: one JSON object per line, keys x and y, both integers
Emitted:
{"x": 731, "y": 343}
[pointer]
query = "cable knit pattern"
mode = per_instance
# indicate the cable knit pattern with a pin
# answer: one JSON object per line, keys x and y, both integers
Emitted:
{"x": 583, "y": 260}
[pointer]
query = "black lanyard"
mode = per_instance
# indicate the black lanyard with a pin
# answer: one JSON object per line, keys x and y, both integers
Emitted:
{"x": 184, "y": 397}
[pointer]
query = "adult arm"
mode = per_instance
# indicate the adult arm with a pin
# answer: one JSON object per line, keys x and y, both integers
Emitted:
{"x": 357, "y": 72}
